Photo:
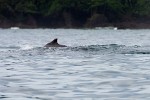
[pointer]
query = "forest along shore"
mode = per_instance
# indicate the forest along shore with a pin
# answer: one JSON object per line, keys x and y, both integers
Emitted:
{"x": 133, "y": 14}
{"x": 69, "y": 22}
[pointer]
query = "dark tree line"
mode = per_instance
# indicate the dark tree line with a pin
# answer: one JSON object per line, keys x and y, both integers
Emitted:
{"x": 79, "y": 9}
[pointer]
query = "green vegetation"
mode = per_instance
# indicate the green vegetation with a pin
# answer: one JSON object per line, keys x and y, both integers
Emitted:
{"x": 82, "y": 10}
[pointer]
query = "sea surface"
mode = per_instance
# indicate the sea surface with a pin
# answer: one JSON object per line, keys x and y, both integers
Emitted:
{"x": 98, "y": 64}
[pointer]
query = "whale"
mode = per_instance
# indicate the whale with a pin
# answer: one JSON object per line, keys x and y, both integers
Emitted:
{"x": 54, "y": 43}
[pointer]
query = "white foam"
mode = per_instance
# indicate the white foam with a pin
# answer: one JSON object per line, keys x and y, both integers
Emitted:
{"x": 15, "y": 28}
{"x": 115, "y": 28}
{"x": 26, "y": 47}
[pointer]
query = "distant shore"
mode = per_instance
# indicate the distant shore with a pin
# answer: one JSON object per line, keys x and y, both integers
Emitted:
{"x": 122, "y": 25}
{"x": 66, "y": 21}
{"x": 131, "y": 14}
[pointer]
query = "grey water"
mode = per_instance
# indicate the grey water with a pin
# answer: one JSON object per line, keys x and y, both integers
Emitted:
{"x": 98, "y": 64}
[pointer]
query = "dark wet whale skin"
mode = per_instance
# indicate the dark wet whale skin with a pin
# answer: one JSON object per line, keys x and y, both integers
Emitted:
{"x": 54, "y": 43}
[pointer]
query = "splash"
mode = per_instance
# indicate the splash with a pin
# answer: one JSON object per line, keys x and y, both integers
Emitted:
{"x": 26, "y": 47}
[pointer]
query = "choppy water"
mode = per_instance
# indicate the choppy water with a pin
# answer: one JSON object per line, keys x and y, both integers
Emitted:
{"x": 98, "y": 64}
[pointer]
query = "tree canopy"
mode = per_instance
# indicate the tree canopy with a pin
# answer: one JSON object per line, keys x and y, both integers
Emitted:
{"x": 48, "y": 7}
{"x": 19, "y": 9}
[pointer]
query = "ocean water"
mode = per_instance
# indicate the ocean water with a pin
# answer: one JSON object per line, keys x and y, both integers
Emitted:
{"x": 98, "y": 64}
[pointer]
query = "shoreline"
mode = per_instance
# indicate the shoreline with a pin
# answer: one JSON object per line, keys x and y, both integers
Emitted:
{"x": 120, "y": 26}
{"x": 134, "y": 24}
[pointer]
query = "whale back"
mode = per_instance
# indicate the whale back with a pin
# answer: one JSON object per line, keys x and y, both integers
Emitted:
{"x": 54, "y": 43}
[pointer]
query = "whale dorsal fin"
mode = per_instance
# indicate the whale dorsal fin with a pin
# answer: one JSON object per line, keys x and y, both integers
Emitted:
{"x": 54, "y": 41}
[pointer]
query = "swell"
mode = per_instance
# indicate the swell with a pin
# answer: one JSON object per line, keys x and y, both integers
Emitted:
{"x": 9, "y": 47}
{"x": 113, "y": 48}
{"x": 98, "y": 49}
